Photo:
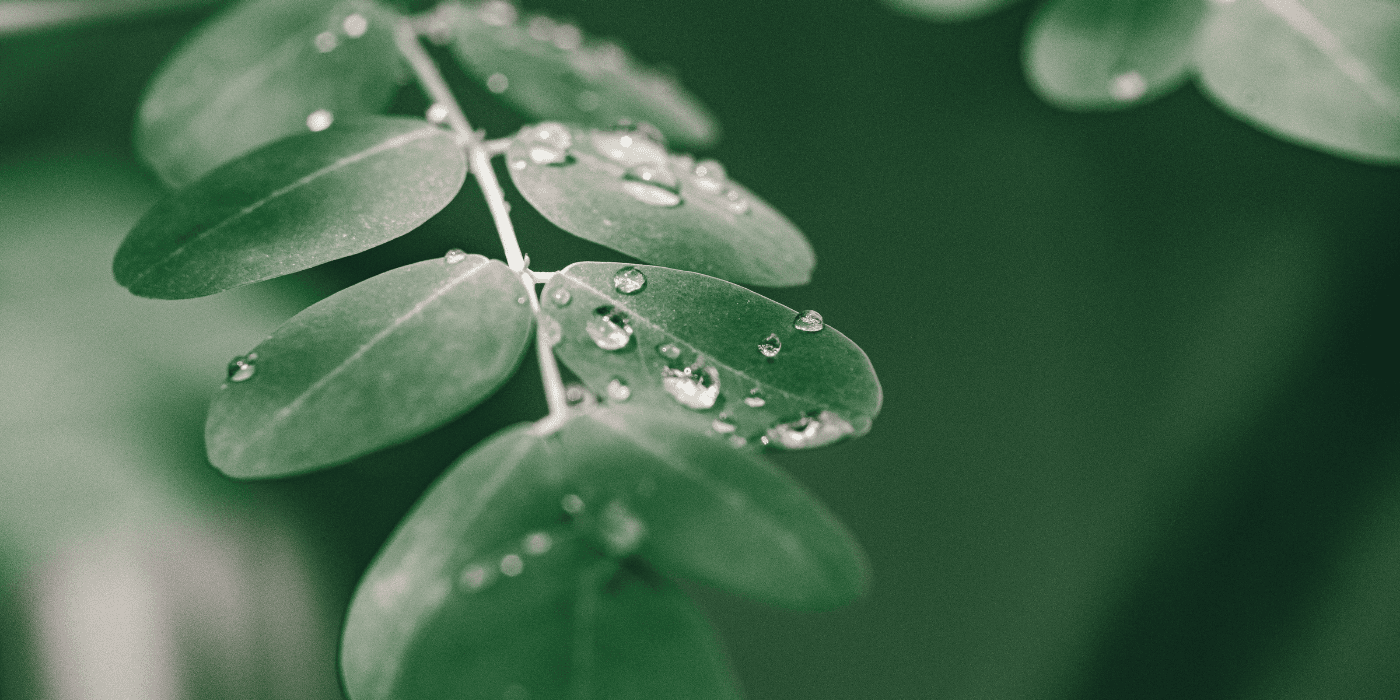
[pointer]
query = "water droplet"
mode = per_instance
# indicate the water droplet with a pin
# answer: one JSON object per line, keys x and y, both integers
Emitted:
{"x": 437, "y": 114}
{"x": 572, "y": 504}
{"x": 622, "y": 531}
{"x": 809, "y": 431}
{"x": 474, "y": 577}
{"x": 454, "y": 256}
{"x": 521, "y": 300}
{"x": 651, "y": 194}
{"x": 770, "y": 346}
{"x": 722, "y": 427}
{"x": 809, "y": 321}
{"x": 696, "y": 386}
{"x": 550, "y": 330}
{"x": 629, "y": 280}
{"x": 629, "y": 147}
{"x": 735, "y": 202}
{"x": 589, "y": 101}
{"x": 498, "y": 13}
{"x": 618, "y": 391}
{"x": 567, "y": 37}
{"x": 669, "y": 351}
{"x": 609, "y": 328}
{"x": 538, "y": 543}
{"x": 738, "y": 440}
{"x": 497, "y": 83}
{"x": 579, "y": 396}
{"x": 518, "y": 165}
{"x": 241, "y": 368}
{"x": 355, "y": 26}
{"x": 552, "y": 134}
{"x": 710, "y": 176}
{"x": 512, "y": 565}
{"x": 326, "y": 42}
{"x": 540, "y": 28}
{"x": 1128, "y": 86}
{"x": 320, "y": 120}
{"x": 754, "y": 400}
{"x": 546, "y": 155}
{"x": 560, "y": 297}
{"x": 654, "y": 174}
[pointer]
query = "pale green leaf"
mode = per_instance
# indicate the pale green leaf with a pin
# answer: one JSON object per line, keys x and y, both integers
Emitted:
{"x": 948, "y": 10}
{"x": 1324, "y": 73}
{"x": 713, "y": 324}
{"x": 551, "y": 70}
{"x": 622, "y": 190}
{"x": 256, "y": 73}
{"x": 1096, "y": 54}
{"x": 376, "y": 364}
{"x": 290, "y": 205}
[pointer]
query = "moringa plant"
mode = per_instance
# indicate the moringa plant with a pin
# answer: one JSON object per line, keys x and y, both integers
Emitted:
{"x": 540, "y": 565}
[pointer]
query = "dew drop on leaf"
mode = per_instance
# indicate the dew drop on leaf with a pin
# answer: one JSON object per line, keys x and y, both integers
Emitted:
{"x": 326, "y": 42}
{"x": 355, "y": 26}
{"x": 572, "y": 504}
{"x": 738, "y": 440}
{"x": 754, "y": 399}
{"x": 654, "y": 174}
{"x": 609, "y": 328}
{"x": 320, "y": 120}
{"x": 538, "y": 543}
{"x": 629, "y": 280}
{"x": 651, "y": 194}
{"x": 710, "y": 176}
{"x": 560, "y": 297}
{"x": 629, "y": 147}
{"x": 770, "y": 346}
{"x": 1126, "y": 87}
{"x": 735, "y": 202}
{"x": 622, "y": 531}
{"x": 669, "y": 351}
{"x": 518, "y": 165}
{"x": 696, "y": 386}
{"x": 241, "y": 368}
{"x": 454, "y": 256}
{"x": 566, "y": 37}
{"x": 474, "y": 577}
{"x": 497, "y": 83}
{"x": 575, "y": 394}
{"x": 809, "y": 321}
{"x": 498, "y": 13}
{"x": 618, "y": 391}
{"x": 437, "y": 114}
{"x": 723, "y": 427}
{"x": 546, "y": 155}
{"x": 551, "y": 134}
{"x": 512, "y": 565}
{"x": 809, "y": 431}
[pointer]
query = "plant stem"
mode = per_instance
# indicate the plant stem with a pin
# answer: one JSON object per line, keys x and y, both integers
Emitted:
{"x": 479, "y": 161}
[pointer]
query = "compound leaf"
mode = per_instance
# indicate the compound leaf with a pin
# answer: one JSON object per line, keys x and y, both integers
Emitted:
{"x": 1325, "y": 73}
{"x": 948, "y": 10}
{"x": 623, "y": 190}
{"x": 1095, "y": 54}
{"x": 684, "y": 342}
{"x": 256, "y": 73}
{"x": 551, "y": 70}
{"x": 291, "y": 205}
{"x": 376, "y": 364}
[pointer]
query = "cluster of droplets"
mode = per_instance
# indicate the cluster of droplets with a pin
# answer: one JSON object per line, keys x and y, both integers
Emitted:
{"x": 478, "y": 575}
{"x": 809, "y": 431}
{"x": 353, "y": 26}
{"x": 241, "y": 368}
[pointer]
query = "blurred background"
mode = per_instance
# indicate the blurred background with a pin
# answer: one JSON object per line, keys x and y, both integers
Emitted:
{"x": 1142, "y": 399}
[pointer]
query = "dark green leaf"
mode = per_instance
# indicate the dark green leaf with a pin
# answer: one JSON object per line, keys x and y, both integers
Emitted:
{"x": 376, "y": 364}
{"x": 812, "y": 374}
{"x": 550, "y": 70}
{"x": 600, "y": 185}
{"x": 1325, "y": 73}
{"x": 948, "y": 10}
{"x": 1095, "y": 54}
{"x": 256, "y": 73}
{"x": 291, "y": 205}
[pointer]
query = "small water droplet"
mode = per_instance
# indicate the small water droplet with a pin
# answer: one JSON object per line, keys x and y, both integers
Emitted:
{"x": 521, "y": 300}
{"x": 695, "y": 387}
{"x": 546, "y": 155}
{"x": 629, "y": 147}
{"x": 754, "y": 400}
{"x": 355, "y": 26}
{"x": 561, "y": 297}
{"x": 550, "y": 330}
{"x": 653, "y": 174}
{"x": 738, "y": 440}
{"x": 618, "y": 391}
{"x": 710, "y": 176}
{"x": 809, "y": 431}
{"x": 538, "y": 543}
{"x": 572, "y": 504}
{"x": 577, "y": 395}
{"x": 722, "y": 427}
{"x": 735, "y": 202}
{"x": 651, "y": 194}
{"x": 320, "y": 120}
{"x": 551, "y": 134}
{"x": 498, "y": 13}
{"x": 629, "y": 280}
{"x": 567, "y": 37}
{"x": 540, "y": 28}
{"x": 241, "y": 368}
{"x": 809, "y": 321}
{"x": 770, "y": 346}
{"x": 454, "y": 256}
{"x": 518, "y": 165}
{"x": 589, "y": 101}
{"x": 437, "y": 114}
{"x": 669, "y": 351}
{"x": 326, "y": 42}
{"x": 609, "y": 328}
{"x": 497, "y": 83}
{"x": 622, "y": 531}
{"x": 1126, "y": 87}
{"x": 512, "y": 565}
{"x": 474, "y": 577}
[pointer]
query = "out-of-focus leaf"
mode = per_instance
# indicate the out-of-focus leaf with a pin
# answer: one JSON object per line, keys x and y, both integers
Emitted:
{"x": 376, "y": 364}
{"x": 291, "y": 205}
{"x": 551, "y": 70}
{"x": 684, "y": 340}
{"x": 256, "y": 73}
{"x": 1324, "y": 73}
{"x": 623, "y": 190}
{"x": 948, "y": 10}
{"x": 1095, "y": 54}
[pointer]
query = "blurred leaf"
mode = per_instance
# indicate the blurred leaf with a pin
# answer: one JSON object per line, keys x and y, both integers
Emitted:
{"x": 1095, "y": 54}
{"x": 255, "y": 74}
{"x": 696, "y": 316}
{"x": 42, "y": 15}
{"x": 376, "y": 364}
{"x": 551, "y": 70}
{"x": 948, "y": 10}
{"x": 291, "y": 205}
{"x": 622, "y": 190}
{"x": 1324, "y": 73}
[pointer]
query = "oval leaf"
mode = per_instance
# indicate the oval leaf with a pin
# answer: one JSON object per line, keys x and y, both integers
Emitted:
{"x": 291, "y": 205}
{"x": 551, "y": 70}
{"x": 256, "y": 73}
{"x": 1325, "y": 73}
{"x": 622, "y": 190}
{"x": 678, "y": 317}
{"x": 948, "y": 10}
{"x": 376, "y": 364}
{"x": 1096, "y": 54}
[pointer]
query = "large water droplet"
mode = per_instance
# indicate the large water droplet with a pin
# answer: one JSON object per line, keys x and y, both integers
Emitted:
{"x": 809, "y": 321}
{"x": 512, "y": 565}
{"x": 618, "y": 391}
{"x": 654, "y": 174}
{"x": 560, "y": 297}
{"x": 770, "y": 346}
{"x": 809, "y": 431}
{"x": 710, "y": 176}
{"x": 320, "y": 120}
{"x": 609, "y": 328}
{"x": 622, "y": 531}
{"x": 696, "y": 386}
{"x": 629, "y": 280}
{"x": 550, "y": 330}
{"x": 538, "y": 543}
{"x": 654, "y": 195}
{"x": 629, "y": 147}
{"x": 454, "y": 256}
{"x": 669, "y": 351}
{"x": 735, "y": 202}
{"x": 241, "y": 368}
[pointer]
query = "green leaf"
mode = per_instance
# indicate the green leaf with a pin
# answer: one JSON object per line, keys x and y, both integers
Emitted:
{"x": 948, "y": 10}
{"x": 291, "y": 205}
{"x": 1097, "y": 54}
{"x": 813, "y": 374}
{"x": 602, "y": 186}
{"x": 256, "y": 73}
{"x": 1324, "y": 73}
{"x": 376, "y": 364}
{"x": 551, "y": 70}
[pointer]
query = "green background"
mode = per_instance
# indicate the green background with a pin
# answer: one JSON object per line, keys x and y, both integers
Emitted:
{"x": 1140, "y": 369}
